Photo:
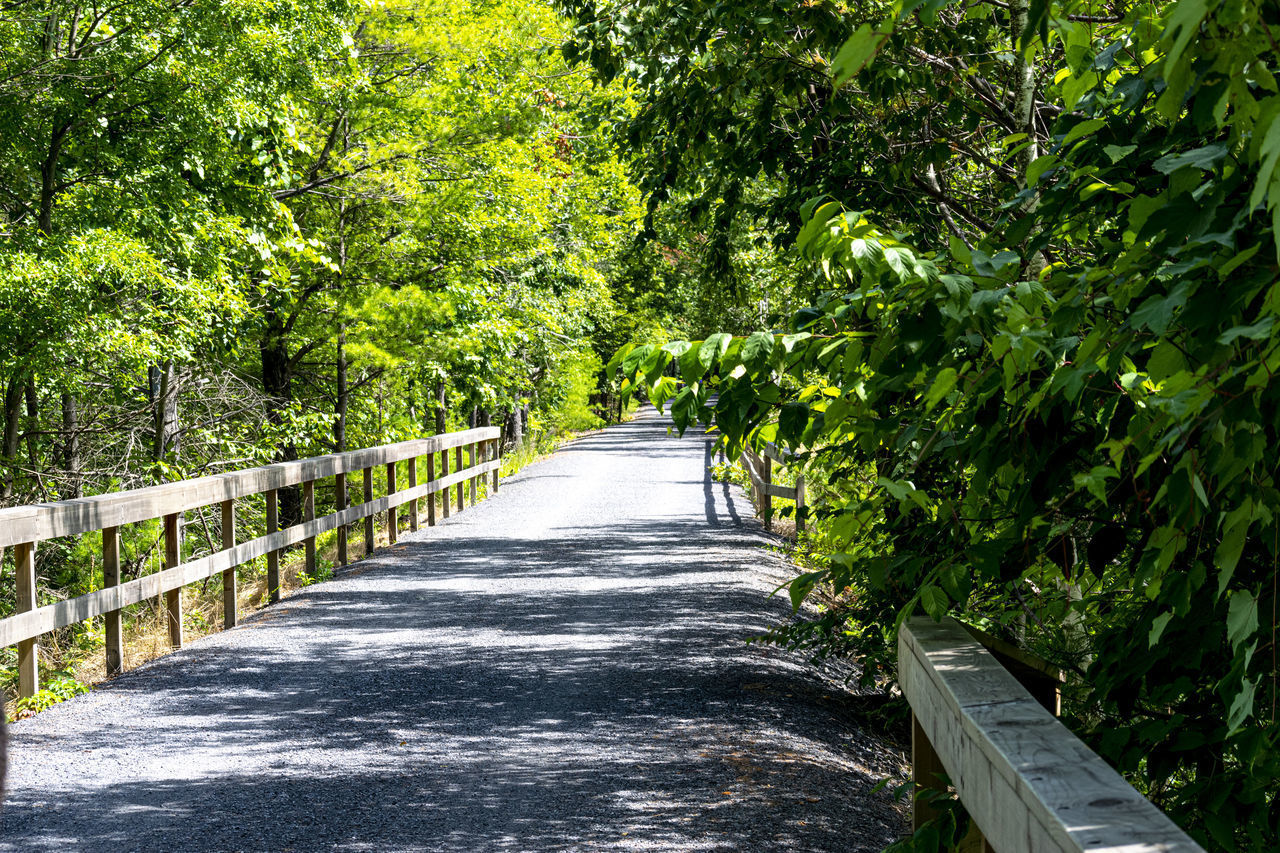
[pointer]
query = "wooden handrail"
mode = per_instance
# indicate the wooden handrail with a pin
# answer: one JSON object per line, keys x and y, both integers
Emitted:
{"x": 85, "y": 515}
{"x": 24, "y": 526}
{"x": 1027, "y": 781}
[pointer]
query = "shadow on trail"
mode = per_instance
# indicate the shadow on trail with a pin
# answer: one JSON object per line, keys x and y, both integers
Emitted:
{"x": 586, "y": 688}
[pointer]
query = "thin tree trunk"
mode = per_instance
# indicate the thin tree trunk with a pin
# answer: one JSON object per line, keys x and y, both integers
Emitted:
{"x": 340, "y": 422}
{"x": 164, "y": 411}
{"x": 277, "y": 384}
{"x": 12, "y": 431}
{"x": 517, "y": 427}
{"x": 33, "y": 423}
{"x": 441, "y": 401}
{"x": 71, "y": 444}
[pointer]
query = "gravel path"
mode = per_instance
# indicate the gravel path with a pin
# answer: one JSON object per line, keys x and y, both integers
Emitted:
{"x": 561, "y": 668}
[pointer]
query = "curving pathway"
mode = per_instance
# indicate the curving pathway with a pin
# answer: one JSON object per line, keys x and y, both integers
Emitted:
{"x": 560, "y": 668}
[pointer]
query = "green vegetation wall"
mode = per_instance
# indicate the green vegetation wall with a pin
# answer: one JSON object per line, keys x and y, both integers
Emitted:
{"x": 1038, "y": 390}
{"x": 232, "y": 233}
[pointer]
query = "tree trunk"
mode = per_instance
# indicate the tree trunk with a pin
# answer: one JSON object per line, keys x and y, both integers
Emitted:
{"x": 164, "y": 388}
{"x": 33, "y": 423}
{"x": 12, "y": 431}
{"x": 517, "y": 428}
{"x": 441, "y": 402}
{"x": 1024, "y": 88}
{"x": 484, "y": 418}
{"x": 277, "y": 384}
{"x": 340, "y": 422}
{"x": 71, "y": 444}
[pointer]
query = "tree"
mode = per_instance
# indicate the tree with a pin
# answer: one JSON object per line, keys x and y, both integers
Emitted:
{"x": 1054, "y": 415}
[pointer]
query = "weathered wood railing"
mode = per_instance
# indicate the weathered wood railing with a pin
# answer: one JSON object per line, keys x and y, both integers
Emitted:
{"x": 1027, "y": 782}
{"x": 23, "y": 527}
{"x": 764, "y": 490}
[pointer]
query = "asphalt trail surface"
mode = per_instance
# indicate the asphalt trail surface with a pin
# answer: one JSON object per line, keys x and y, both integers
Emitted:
{"x": 560, "y": 668}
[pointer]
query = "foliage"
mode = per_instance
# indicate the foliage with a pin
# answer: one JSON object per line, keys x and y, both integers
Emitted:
{"x": 1060, "y": 420}
{"x": 235, "y": 233}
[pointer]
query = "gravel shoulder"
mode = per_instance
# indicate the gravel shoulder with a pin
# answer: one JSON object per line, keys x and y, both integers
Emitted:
{"x": 560, "y": 668}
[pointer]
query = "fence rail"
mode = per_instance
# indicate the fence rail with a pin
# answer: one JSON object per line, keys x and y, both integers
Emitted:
{"x": 1028, "y": 783}
{"x": 764, "y": 490}
{"x": 23, "y": 527}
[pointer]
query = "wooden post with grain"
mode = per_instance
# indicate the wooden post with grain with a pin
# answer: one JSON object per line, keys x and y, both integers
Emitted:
{"x": 172, "y": 558}
{"x": 339, "y": 504}
{"x": 1028, "y": 783}
{"x": 229, "y": 597}
{"x": 393, "y": 523}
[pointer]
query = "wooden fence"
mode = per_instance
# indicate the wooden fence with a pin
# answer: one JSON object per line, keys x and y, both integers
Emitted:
{"x": 1028, "y": 783}
{"x": 764, "y": 490}
{"x": 23, "y": 527}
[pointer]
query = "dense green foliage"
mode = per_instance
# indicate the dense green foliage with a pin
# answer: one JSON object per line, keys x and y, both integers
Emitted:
{"x": 1040, "y": 389}
{"x": 1003, "y": 273}
{"x": 238, "y": 232}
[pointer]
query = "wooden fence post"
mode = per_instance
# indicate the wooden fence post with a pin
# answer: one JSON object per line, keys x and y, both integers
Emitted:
{"x": 471, "y": 455}
{"x": 497, "y": 456}
{"x": 273, "y": 557}
{"x": 172, "y": 557}
{"x": 413, "y": 504}
{"x": 393, "y": 522}
{"x": 457, "y": 458}
{"x": 368, "y": 519}
{"x": 800, "y": 506}
{"x": 110, "y": 578}
{"x": 229, "y": 597}
{"x": 309, "y": 514}
{"x": 766, "y": 500}
{"x": 444, "y": 472}
{"x": 340, "y": 503}
{"x": 431, "y": 498}
{"x": 24, "y": 564}
{"x": 925, "y": 767}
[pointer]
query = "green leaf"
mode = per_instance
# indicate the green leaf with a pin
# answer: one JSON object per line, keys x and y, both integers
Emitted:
{"x": 713, "y": 347}
{"x": 1204, "y": 159}
{"x": 792, "y": 421}
{"x": 1257, "y": 332}
{"x": 1157, "y": 628}
{"x": 934, "y": 601}
{"x": 676, "y": 348}
{"x": 614, "y": 363}
{"x": 691, "y": 367}
{"x": 756, "y": 350}
{"x": 800, "y": 587}
{"x": 942, "y": 385}
{"x": 1084, "y": 128}
{"x": 1235, "y": 527}
{"x": 858, "y": 51}
{"x": 1241, "y": 706}
{"x": 1039, "y": 166}
{"x": 1118, "y": 152}
{"x": 789, "y": 341}
{"x": 1242, "y": 618}
{"x": 634, "y": 359}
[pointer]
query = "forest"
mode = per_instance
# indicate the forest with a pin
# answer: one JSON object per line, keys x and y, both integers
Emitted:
{"x": 1003, "y": 273}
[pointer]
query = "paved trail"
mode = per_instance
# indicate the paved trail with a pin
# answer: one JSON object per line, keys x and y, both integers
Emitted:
{"x": 561, "y": 668}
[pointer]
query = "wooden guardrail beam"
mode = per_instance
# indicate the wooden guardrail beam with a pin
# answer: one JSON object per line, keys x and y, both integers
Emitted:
{"x": 37, "y": 522}
{"x": 1028, "y": 782}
